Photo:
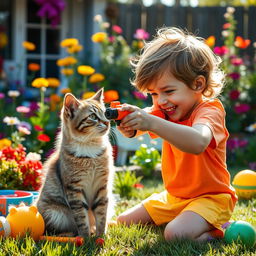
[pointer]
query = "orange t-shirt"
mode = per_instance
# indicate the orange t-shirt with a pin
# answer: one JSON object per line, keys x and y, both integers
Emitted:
{"x": 187, "y": 175}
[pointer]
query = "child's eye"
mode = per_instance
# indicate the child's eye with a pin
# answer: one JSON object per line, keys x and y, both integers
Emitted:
{"x": 153, "y": 94}
{"x": 169, "y": 91}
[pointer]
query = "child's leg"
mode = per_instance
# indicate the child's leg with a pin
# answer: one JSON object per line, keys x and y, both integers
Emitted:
{"x": 137, "y": 214}
{"x": 188, "y": 225}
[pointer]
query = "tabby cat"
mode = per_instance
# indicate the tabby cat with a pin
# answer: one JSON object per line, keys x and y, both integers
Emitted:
{"x": 77, "y": 187}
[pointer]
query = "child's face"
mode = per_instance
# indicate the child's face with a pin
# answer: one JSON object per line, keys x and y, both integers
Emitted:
{"x": 174, "y": 97}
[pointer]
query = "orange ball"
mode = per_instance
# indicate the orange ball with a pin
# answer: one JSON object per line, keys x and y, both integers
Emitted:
{"x": 25, "y": 220}
{"x": 244, "y": 183}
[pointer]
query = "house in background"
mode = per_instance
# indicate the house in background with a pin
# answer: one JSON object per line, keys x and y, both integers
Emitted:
{"x": 20, "y": 22}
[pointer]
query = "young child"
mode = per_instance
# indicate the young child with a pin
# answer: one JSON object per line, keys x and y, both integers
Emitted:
{"x": 183, "y": 77}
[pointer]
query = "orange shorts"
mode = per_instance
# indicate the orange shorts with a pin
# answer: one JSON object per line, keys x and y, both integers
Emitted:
{"x": 215, "y": 209}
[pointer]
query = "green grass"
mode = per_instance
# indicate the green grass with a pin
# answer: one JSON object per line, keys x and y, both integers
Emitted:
{"x": 137, "y": 239}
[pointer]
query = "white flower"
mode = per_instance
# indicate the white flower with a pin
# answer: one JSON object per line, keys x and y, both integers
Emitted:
{"x": 106, "y": 25}
{"x": 225, "y": 33}
{"x": 251, "y": 128}
{"x": 97, "y": 18}
{"x": 33, "y": 156}
{"x": 230, "y": 9}
{"x": 13, "y": 93}
{"x": 226, "y": 15}
{"x": 9, "y": 120}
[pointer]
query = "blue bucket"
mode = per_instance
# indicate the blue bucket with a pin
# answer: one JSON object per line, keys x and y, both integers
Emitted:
{"x": 13, "y": 197}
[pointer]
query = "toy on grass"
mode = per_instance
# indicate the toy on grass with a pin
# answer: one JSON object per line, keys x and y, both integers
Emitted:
{"x": 23, "y": 220}
{"x": 244, "y": 183}
{"x": 78, "y": 240}
{"x": 240, "y": 232}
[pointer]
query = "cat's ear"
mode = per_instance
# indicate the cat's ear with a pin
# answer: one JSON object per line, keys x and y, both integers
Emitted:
{"x": 99, "y": 96}
{"x": 70, "y": 105}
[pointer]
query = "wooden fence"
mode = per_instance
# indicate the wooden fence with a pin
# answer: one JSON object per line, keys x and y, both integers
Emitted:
{"x": 203, "y": 21}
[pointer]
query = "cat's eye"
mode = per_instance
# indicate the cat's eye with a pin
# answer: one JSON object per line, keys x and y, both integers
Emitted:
{"x": 93, "y": 116}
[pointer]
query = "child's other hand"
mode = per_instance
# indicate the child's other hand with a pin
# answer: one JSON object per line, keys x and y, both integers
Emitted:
{"x": 138, "y": 119}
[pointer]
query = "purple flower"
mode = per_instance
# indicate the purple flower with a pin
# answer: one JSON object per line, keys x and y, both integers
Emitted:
{"x": 139, "y": 95}
{"x": 141, "y": 34}
{"x": 235, "y": 143}
{"x": 241, "y": 108}
{"x": 252, "y": 165}
{"x": 234, "y": 75}
{"x": 1, "y": 95}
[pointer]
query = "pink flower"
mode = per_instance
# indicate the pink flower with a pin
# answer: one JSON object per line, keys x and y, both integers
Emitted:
{"x": 23, "y": 109}
{"x": 236, "y": 61}
{"x": 1, "y": 95}
{"x": 117, "y": 29}
{"x": 234, "y": 75}
{"x": 241, "y": 108}
{"x": 111, "y": 39}
{"x": 220, "y": 50}
{"x": 139, "y": 95}
{"x": 234, "y": 94}
{"x": 24, "y": 130}
{"x": 141, "y": 34}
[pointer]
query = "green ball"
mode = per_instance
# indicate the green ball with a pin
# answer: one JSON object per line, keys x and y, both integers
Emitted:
{"x": 241, "y": 232}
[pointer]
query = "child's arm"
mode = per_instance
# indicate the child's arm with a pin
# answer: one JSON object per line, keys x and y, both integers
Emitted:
{"x": 192, "y": 140}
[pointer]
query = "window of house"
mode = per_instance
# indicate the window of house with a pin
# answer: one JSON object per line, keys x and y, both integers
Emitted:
{"x": 47, "y": 40}
{"x": 6, "y": 29}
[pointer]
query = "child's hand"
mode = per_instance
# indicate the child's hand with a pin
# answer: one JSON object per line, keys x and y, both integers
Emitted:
{"x": 138, "y": 119}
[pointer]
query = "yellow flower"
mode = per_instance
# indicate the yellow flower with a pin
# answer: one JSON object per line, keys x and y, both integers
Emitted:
{"x": 87, "y": 95}
{"x": 85, "y": 70}
{"x": 69, "y": 42}
{"x": 67, "y": 71}
{"x": 96, "y": 78}
{"x": 67, "y": 61}
{"x": 53, "y": 82}
{"x": 29, "y": 46}
{"x": 74, "y": 49}
{"x": 40, "y": 82}
{"x": 210, "y": 41}
{"x": 65, "y": 90}
{"x": 3, "y": 39}
{"x": 99, "y": 37}
{"x": 5, "y": 143}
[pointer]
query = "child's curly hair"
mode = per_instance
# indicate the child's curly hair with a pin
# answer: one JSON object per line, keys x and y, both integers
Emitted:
{"x": 184, "y": 55}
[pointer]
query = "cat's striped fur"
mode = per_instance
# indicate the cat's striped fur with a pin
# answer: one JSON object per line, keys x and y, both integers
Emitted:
{"x": 77, "y": 187}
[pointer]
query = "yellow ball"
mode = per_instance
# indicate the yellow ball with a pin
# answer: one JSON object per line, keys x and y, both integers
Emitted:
{"x": 26, "y": 220}
{"x": 244, "y": 183}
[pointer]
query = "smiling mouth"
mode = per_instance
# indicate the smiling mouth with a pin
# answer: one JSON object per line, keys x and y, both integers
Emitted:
{"x": 170, "y": 110}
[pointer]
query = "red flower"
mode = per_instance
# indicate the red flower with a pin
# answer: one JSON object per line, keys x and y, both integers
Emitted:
{"x": 226, "y": 25}
{"x": 38, "y": 128}
{"x": 43, "y": 137}
{"x": 234, "y": 94}
{"x": 138, "y": 185}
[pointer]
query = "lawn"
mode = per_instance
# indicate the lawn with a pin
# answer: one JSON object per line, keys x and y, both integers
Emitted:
{"x": 137, "y": 239}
